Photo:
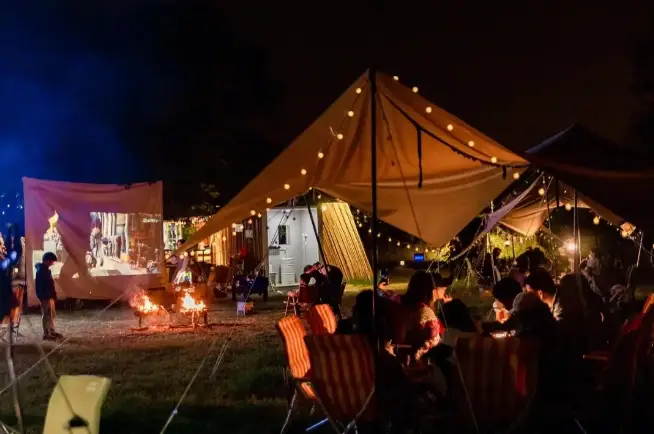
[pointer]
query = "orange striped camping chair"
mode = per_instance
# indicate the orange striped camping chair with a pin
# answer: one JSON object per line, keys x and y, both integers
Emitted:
{"x": 343, "y": 374}
{"x": 292, "y": 332}
{"x": 496, "y": 381}
{"x": 321, "y": 320}
{"x": 649, "y": 302}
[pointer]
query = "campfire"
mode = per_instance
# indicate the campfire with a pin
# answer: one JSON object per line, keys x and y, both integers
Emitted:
{"x": 142, "y": 305}
{"x": 186, "y": 302}
{"x": 189, "y": 305}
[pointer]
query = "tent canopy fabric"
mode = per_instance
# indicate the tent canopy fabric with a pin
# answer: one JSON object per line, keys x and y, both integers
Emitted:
{"x": 434, "y": 172}
{"x": 609, "y": 177}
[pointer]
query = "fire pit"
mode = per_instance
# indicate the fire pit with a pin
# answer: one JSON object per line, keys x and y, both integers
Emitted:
{"x": 189, "y": 306}
{"x": 144, "y": 306}
{"x": 185, "y": 300}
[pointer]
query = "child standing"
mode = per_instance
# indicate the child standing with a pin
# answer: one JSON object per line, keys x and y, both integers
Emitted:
{"x": 45, "y": 291}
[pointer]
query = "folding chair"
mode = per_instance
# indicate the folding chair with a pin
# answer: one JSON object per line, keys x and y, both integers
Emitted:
{"x": 75, "y": 405}
{"x": 13, "y": 326}
{"x": 292, "y": 332}
{"x": 321, "y": 319}
{"x": 494, "y": 382}
{"x": 292, "y": 299}
{"x": 344, "y": 390}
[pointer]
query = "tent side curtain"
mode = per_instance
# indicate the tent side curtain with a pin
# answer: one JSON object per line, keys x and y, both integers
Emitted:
{"x": 434, "y": 172}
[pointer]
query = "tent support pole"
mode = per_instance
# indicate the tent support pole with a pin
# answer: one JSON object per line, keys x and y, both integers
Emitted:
{"x": 513, "y": 247}
{"x": 640, "y": 247}
{"x": 315, "y": 232}
{"x": 575, "y": 236}
{"x": 372, "y": 75}
{"x": 549, "y": 220}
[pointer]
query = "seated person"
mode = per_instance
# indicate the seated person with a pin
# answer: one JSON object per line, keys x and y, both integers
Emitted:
{"x": 420, "y": 329}
{"x": 598, "y": 326}
{"x": 505, "y": 291}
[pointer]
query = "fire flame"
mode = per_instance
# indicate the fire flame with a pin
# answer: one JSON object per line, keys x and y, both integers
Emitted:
{"x": 189, "y": 304}
{"x": 142, "y": 303}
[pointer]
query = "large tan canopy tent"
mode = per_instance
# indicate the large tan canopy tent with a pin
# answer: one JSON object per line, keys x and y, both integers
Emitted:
{"x": 434, "y": 172}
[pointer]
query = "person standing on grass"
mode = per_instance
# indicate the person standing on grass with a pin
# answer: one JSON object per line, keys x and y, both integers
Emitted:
{"x": 45, "y": 291}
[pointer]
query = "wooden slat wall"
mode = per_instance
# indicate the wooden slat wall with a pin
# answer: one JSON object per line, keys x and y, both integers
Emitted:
{"x": 341, "y": 243}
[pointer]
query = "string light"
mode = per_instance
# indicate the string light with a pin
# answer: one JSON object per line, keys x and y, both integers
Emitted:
{"x": 389, "y": 239}
{"x": 402, "y": 263}
{"x": 287, "y": 187}
{"x": 379, "y": 235}
{"x": 428, "y": 109}
{"x": 396, "y": 78}
{"x": 268, "y": 200}
{"x": 568, "y": 207}
{"x": 494, "y": 160}
{"x": 250, "y": 221}
{"x": 450, "y": 127}
{"x": 252, "y": 212}
{"x": 398, "y": 244}
{"x": 339, "y": 136}
{"x": 303, "y": 171}
{"x": 233, "y": 225}
{"x": 596, "y": 220}
{"x": 541, "y": 191}
{"x": 416, "y": 249}
{"x": 471, "y": 144}
{"x": 320, "y": 196}
{"x": 234, "y": 233}
{"x": 369, "y": 231}
{"x": 321, "y": 155}
{"x": 415, "y": 89}
{"x": 358, "y": 90}
{"x": 224, "y": 238}
{"x": 516, "y": 175}
{"x": 350, "y": 113}
{"x": 324, "y": 208}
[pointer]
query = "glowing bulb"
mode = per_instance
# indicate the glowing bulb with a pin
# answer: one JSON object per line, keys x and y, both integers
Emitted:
{"x": 396, "y": 78}
{"x": 268, "y": 200}
{"x": 339, "y": 136}
{"x": 287, "y": 187}
{"x": 234, "y": 233}
{"x": 596, "y": 220}
{"x": 408, "y": 246}
{"x": 516, "y": 175}
{"x": 428, "y": 109}
{"x": 360, "y": 225}
{"x": 471, "y": 144}
{"x": 568, "y": 207}
{"x": 402, "y": 263}
{"x": 252, "y": 212}
{"x": 369, "y": 231}
{"x": 320, "y": 155}
{"x": 416, "y": 249}
{"x": 320, "y": 196}
{"x": 303, "y": 171}
{"x": 494, "y": 160}
{"x": 250, "y": 221}
{"x": 450, "y": 127}
{"x": 224, "y": 238}
{"x": 233, "y": 225}
{"x": 541, "y": 191}
{"x": 398, "y": 244}
{"x": 358, "y": 90}
{"x": 389, "y": 239}
{"x": 570, "y": 246}
{"x": 378, "y": 235}
{"x": 350, "y": 113}
{"x": 324, "y": 208}
{"x": 415, "y": 89}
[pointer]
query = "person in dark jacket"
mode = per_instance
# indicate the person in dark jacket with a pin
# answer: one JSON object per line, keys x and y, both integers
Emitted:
{"x": 45, "y": 292}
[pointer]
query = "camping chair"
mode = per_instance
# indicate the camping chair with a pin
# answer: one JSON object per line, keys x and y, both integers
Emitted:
{"x": 494, "y": 382}
{"x": 304, "y": 296}
{"x": 84, "y": 395}
{"x": 13, "y": 326}
{"x": 292, "y": 332}
{"x": 344, "y": 390}
{"x": 321, "y": 320}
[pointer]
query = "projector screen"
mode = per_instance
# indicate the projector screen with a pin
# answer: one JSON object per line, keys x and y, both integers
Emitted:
{"x": 119, "y": 244}
{"x": 108, "y": 239}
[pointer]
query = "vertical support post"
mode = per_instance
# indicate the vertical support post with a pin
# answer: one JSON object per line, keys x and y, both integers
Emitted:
{"x": 372, "y": 76}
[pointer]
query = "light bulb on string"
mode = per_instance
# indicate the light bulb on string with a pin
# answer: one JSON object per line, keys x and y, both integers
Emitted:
{"x": 358, "y": 90}
{"x": 516, "y": 175}
{"x": 350, "y": 113}
{"x": 493, "y": 159}
{"x": 224, "y": 238}
{"x": 471, "y": 144}
{"x": 596, "y": 220}
{"x": 415, "y": 89}
{"x": 568, "y": 207}
{"x": 303, "y": 171}
{"x": 234, "y": 233}
{"x": 319, "y": 196}
{"x": 416, "y": 249}
{"x": 428, "y": 109}
{"x": 252, "y": 212}
{"x": 398, "y": 244}
{"x": 541, "y": 191}
{"x": 250, "y": 221}
{"x": 287, "y": 187}
{"x": 324, "y": 208}
{"x": 339, "y": 136}
{"x": 378, "y": 235}
{"x": 389, "y": 239}
{"x": 396, "y": 78}
{"x": 450, "y": 127}
{"x": 269, "y": 200}
{"x": 369, "y": 231}
{"x": 321, "y": 155}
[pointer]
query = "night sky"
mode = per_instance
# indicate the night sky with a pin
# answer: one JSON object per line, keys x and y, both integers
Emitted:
{"x": 199, "y": 92}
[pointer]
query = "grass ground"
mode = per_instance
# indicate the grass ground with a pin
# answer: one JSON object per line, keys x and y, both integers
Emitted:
{"x": 150, "y": 369}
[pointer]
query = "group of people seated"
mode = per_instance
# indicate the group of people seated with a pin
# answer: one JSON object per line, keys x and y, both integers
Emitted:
{"x": 419, "y": 329}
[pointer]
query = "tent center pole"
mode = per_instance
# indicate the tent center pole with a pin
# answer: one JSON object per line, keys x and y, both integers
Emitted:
{"x": 372, "y": 75}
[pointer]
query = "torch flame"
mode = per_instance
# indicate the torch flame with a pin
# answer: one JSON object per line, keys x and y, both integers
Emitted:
{"x": 189, "y": 304}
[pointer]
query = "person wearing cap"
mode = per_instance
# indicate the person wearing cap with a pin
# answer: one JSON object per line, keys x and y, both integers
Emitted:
{"x": 45, "y": 291}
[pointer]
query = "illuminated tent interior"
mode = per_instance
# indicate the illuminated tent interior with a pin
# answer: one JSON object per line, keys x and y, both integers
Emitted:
{"x": 435, "y": 173}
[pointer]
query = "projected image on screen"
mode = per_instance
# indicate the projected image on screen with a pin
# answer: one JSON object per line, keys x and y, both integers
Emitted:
{"x": 118, "y": 244}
